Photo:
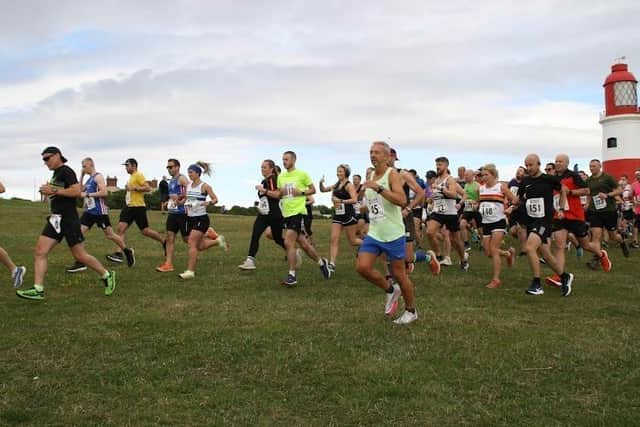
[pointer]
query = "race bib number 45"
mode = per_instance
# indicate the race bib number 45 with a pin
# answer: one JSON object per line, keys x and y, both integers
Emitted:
{"x": 535, "y": 207}
{"x": 376, "y": 209}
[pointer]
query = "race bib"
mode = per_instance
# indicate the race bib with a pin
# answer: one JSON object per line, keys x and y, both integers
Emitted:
{"x": 556, "y": 203}
{"x": 171, "y": 205}
{"x": 514, "y": 190}
{"x": 90, "y": 203}
{"x": 288, "y": 190}
{"x": 439, "y": 206}
{"x": 376, "y": 209}
{"x": 584, "y": 200}
{"x": 535, "y": 207}
{"x": 356, "y": 207}
{"x": 56, "y": 222}
{"x": 340, "y": 209}
{"x": 468, "y": 205}
{"x": 487, "y": 210}
{"x": 263, "y": 206}
{"x": 599, "y": 203}
{"x": 127, "y": 198}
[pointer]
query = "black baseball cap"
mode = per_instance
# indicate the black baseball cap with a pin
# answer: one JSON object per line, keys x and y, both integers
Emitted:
{"x": 54, "y": 150}
{"x": 431, "y": 174}
{"x": 132, "y": 162}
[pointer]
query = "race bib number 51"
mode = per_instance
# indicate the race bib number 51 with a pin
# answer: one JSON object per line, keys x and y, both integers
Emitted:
{"x": 535, "y": 207}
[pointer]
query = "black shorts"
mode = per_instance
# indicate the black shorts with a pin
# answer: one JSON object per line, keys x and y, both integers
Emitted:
{"x": 177, "y": 223}
{"x": 540, "y": 227}
{"x": 198, "y": 223}
{"x": 137, "y": 214}
{"x": 409, "y": 228}
{"x": 628, "y": 215}
{"x": 363, "y": 217}
{"x": 473, "y": 215}
{"x": 637, "y": 221}
{"x": 607, "y": 220}
{"x": 296, "y": 223}
{"x": 69, "y": 230}
{"x": 417, "y": 213}
{"x": 344, "y": 220}
{"x": 518, "y": 217}
{"x": 576, "y": 227}
{"x": 489, "y": 228}
{"x": 102, "y": 221}
{"x": 450, "y": 221}
{"x": 164, "y": 198}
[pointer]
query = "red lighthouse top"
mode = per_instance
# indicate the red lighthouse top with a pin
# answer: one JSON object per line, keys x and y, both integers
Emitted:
{"x": 620, "y": 95}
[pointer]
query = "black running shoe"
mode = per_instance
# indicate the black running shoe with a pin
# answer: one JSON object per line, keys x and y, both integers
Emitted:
{"x": 76, "y": 267}
{"x": 566, "y": 284}
{"x": 324, "y": 268}
{"x": 116, "y": 257}
{"x": 130, "y": 254}
{"x": 535, "y": 289}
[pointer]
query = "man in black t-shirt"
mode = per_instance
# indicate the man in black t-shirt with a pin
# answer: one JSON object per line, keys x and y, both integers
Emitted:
{"x": 63, "y": 189}
{"x": 536, "y": 194}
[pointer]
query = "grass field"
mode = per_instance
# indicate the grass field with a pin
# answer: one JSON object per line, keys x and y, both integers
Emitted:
{"x": 234, "y": 347}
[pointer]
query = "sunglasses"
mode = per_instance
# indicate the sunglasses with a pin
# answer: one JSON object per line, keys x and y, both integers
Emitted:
{"x": 170, "y": 167}
{"x": 46, "y": 159}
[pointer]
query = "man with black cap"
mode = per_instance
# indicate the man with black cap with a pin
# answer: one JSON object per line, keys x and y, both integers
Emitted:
{"x": 63, "y": 189}
{"x": 135, "y": 209}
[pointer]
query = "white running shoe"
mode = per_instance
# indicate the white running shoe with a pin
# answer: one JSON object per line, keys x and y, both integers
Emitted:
{"x": 406, "y": 318}
{"x": 391, "y": 304}
{"x": 223, "y": 243}
{"x": 446, "y": 261}
{"x": 18, "y": 275}
{"x": 298, "y": 258}
{"x": 188, "y": 274}
{"x": 248, "y": 264}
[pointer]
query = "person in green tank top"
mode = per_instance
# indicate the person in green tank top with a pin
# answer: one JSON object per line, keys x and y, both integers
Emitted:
{"x": 470, "y": 200}
{"x": 385, "y": 200}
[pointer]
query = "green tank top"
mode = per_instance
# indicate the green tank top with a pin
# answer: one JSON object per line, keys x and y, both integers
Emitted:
{"x": 385, "y": 218}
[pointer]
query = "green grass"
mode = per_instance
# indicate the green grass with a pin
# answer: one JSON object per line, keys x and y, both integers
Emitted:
{"x": 234, "y": 347}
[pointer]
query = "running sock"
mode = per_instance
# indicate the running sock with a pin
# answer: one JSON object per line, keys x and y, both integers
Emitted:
{"x": 420, "y": 256}
{"x": 39, "y": 288}
{"x": 105, "y": 275}
{"x": 389, "y": 290}
{"x": 292, "y": 273}
{"x": 536, "y": 280}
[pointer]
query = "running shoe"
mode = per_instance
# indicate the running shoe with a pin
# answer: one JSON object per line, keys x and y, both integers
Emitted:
{"x": 579, "y": 252}
{"x": 543, "y": 261}
{"x": 467, "y": 247}
{"x": 18, "y": 275}
{"x": 391, "y": 303}
{"x": 130, "y": 254}
{"x": 211, "y": 233}
{"x": 290, "y": 281}
{"x": 625, "y": 249}
{"x": 165, "y": 268}
{"x": 635, "y": 245}
{"x": 116, "y": 257}
{"x": 605, "y": 261}
{"x": 248, "y": 264}
{"x": 446, "y": 261}
{"x": 406, "y": 318}
{"x": 223, "y": 243}
{"x": 332, "y": 267}
{"x": 298, "y": 258}
{"x": 410, "y": 266}
{"x": 494, "y": 284}
{"x": 31, "y": 293}
{"x": 110, "y": 283}
{"x": 464, "y": 264}
{"x": 535, "y": 289}
{"x": 553, "y": 281}
{"x": 76, "y": 267}
{"x": 187, "y": 275}
{"x": 566, "y": 285}
{"x": 324, "y": 269}
{"x": 434, "y": 265}
{"x": 511, "y": 258}
{"x": 604, "y": 244}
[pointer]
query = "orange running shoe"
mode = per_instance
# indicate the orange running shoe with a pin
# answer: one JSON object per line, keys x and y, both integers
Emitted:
{"x": 605, "y": 262}
{"x": 554, "y": 281}
{"x": 165, "y": 268}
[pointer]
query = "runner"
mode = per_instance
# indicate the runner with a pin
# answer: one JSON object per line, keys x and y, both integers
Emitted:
{"x": 626, "y": 226}
{"x": 362, "y": 218}
{"x": 96, "y": 212}
{"x": 269, "y": 214}
{"x": 418, "y": 211}
{"x": 197, "y": 218}
{"x": 550, "y": 168}
{"x": 135, "y": 209}
{"x": 471, "y": 218}
{"x": 445, "y": 212}
{"x": 17, "y": 271}
{"x": 308, "y": 218}
{"x": 574, "y": 218}
{"x": 602, "y": 208}
{"x": 163, "y": 190}
{"x": 536, "y": 193}
{"x": 635, "y": 193}
{"x": 385, "y": 198}
{"x": 295, "y": 186}
{"x": 518, "y": 216}
{"x": 63, "y": 189}
{"x": 344, "y": 197}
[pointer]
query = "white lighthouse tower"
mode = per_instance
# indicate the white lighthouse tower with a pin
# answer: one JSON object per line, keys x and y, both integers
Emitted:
{"x": 620, "y": 123}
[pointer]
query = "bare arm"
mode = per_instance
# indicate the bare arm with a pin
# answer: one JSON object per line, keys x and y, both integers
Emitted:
{"x": 508, "y": 194}
{"x": 394, "y": 194}
{"x": 415, "y": 187}
{"x": 102, "y": 188}
{"x": 2, "y": 189}
{"x": 212, "y": 196}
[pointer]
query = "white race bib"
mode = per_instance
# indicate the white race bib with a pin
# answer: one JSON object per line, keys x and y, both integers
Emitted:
{"x": 56, "y": 220}
{"x": 340, "y": 209}
{"x": 376, "y": 209}
{"x": 288, "y": 190}
{"x": 514, "y": 190}
{"x": 439, "y": 206}
{"x": 599, "y": 203}
{"x": 556, "y": 203}
{"x": 487, "y": 210}
{"x": 584, "y": 200}
{"x": 468, "y": 205}
{"x": 356, "y": 207}
{"x": 90, "y": 203}
{"x": 535, "y": 207}
{"x": 263, "y": 206}
{"x": 127, "y": 198}
{"x": 171, "y": 205}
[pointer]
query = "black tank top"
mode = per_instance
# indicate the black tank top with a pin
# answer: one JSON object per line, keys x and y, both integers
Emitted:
{"x": 342, "y": 194}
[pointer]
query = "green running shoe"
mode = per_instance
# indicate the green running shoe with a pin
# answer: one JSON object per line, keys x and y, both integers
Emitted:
{"x": 31, "y": 293}
{"x": 110, "y": 283}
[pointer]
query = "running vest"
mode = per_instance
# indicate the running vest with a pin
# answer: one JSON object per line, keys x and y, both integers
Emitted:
{"x": 472, "y": 191}
{"x": 627, "y": 198}
{"x": 385, "y": 218}
{"x": 442, "y": 204}
{"x": 492, "y": 203}
{"x": 94, "y": 205}
{"x": 342, "y": 194}
{"x": 175, "y": 189}
{"x": 196, "y": 200}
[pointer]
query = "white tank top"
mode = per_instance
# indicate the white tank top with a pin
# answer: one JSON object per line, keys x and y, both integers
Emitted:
{"x": 196, "y": 200}
{"x": 442, "y": 204}
{"x": 491, "y": 203}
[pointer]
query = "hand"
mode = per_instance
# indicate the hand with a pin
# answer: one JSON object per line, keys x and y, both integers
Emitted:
{"x": 603, "y": 196}
{"x": 46, "y": 189}
{"x": 560, "y": 214}
{"x": 260, "y": 188}
{"x": 335, "y": 200}
{"x": 83, "y": 194}
{"x": 405, "y": 212}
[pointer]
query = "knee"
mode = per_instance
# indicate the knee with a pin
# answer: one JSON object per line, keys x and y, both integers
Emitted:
{"x": 363, "y": 270}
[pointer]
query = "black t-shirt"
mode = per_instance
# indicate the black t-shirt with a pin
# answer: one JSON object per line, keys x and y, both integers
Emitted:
{"x": 163, "y": 187}
{"x": 271, "y": 184}
{"x": 63, "y": 177}
{"x": 536, "y": 193}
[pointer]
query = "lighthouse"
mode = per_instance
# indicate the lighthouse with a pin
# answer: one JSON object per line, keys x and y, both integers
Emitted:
{"x": 620, "y": 123}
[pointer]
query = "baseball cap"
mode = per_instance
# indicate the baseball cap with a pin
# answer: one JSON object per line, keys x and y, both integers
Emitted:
{"x": 431, "y": 174}
{"x": 394, "y": 153}
{"x": 54, "y": 150}
{"x": 132, "y": 162}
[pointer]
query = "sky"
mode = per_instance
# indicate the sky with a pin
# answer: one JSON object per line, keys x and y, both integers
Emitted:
{"x": 236, "y": 82}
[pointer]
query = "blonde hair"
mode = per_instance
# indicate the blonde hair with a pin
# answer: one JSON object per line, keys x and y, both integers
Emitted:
{"x": 491, "y": 168}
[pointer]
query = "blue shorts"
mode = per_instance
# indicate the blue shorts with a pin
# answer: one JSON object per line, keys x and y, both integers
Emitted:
{"x": 394, "y": 250}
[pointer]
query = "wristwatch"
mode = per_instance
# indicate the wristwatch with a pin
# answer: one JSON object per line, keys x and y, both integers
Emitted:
{"x": 380, "y": 189}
